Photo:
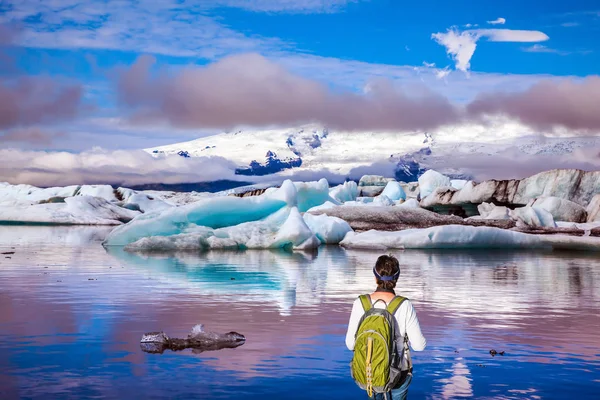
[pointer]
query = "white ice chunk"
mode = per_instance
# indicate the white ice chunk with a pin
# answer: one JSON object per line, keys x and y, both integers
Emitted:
{"x": 212, "y": 213}
{"x": 374, "y": 180}
{"x": 197, "y": 329}
{"x": 458, "y": 183}
{"x": 561, "y": 209}
{"x": 593, "y": 209}
{"x": 394, "y": 191}
{"x": 27, "y": 194}
{"x": 492, "y": 211}
{"x": 325, "y": 206}
{"x": 295, "y": 233}
{"x": 348, "y": 191}
{"x": 430, "y": 181}
{"x": 533, "y": 217}
{"x": 329, "y": 230}
{"x": 225, "y": 217}
{"x": 442, "y": 237}
{"x": 104, "y": 191}
{"x": 311, "y": 194}
{"x": 79, "y": 210}
{"x": 410, "y": 203}
{"x": 381, "y": 200}
{"x": 283, "y": 229}
{"x": 148, "y": 204}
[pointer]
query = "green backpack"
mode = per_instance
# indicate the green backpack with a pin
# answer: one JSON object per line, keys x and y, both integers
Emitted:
{"x": 374, "y": 366}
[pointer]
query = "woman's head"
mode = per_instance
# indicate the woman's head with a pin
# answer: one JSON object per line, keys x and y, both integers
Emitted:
{"x": 387, "y": 271}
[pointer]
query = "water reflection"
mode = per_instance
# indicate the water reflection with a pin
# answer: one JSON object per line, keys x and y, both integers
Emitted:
{"x": 72, "y": 316}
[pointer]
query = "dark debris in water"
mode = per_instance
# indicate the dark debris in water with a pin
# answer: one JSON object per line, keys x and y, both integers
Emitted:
{"x": 8, "y": 252}
{"x": 494, "y": 352}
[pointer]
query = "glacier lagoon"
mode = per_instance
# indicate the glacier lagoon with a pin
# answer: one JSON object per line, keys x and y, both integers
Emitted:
{"x": 72, "y": 315}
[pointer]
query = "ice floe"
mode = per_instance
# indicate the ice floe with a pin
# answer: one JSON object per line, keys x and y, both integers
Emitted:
{"x": 561, "y": 209}
{"x": 80, "y": 210}
{"x": 271, "y": 220}
{"x": 212, "y": 213}
{"x": 466, "y": 237}
{"x": 442, "y": 237}
{"x": 569, "y": 184}
{"x": 348, "y": 191}
{"x": 430, "y": 181}
{"x": 329, "y": 230}
{"x": 593, "y": 209}
{"x": 393, "y": 191}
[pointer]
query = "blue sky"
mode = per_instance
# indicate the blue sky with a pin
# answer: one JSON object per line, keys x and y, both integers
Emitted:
{"x": 341, "y": 44}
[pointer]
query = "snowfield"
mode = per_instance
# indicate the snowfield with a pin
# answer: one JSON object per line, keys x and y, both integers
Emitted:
{"x": 342, "y": 152}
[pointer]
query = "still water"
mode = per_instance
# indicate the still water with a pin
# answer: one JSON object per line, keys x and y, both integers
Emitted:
{"x": 72, "y": 314}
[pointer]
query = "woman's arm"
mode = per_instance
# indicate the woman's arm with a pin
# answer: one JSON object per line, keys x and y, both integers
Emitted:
{"x": 355, "y": 315}
{"x": 413, "y": 329}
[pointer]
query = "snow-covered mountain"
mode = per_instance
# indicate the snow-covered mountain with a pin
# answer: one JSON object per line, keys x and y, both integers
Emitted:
{"x": 314, "y": 148}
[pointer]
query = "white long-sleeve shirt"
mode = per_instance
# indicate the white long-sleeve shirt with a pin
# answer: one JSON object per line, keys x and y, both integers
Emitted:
{"x": 406, "y": 323}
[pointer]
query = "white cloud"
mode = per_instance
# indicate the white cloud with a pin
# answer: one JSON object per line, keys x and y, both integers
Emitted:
{"x": 442, "y": 73}
{"x": 497, "y": 21}
{"x": 511, "y": 35}
{"x": 165, "y": 27}
{"x": 540, "y": 48}
{"x": 461, "y": 45}
{"x": 126, "y": 168}
{"x": 144, "y": 26}
{"x": 287, "y": 6}
{"x": 357, "y": 74}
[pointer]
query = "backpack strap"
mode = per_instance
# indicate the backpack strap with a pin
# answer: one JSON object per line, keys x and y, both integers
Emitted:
{"x": 395, "y": 304}
{"x": 365, "y": 300}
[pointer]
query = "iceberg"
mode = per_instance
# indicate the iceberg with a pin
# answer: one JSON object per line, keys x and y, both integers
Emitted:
{"x": 458, "y": 183}
{"x": 561, "y": 209}
{"x": 533, "y": 217}
{"x": 325, "y": 206}
{"x": 411, "y": 189}
{"x": 103, "y": 191}
{"x": 348, "y": 191}
{"x": 393, "y": 191}
{"x": 311, "y": 194}
{"x": 27, "y": 194}
{"x": 271, "y": 220}
{"x": 381, "y": 200}
{"x": 410, "y": 203}
{"x": 593, "y": 209}
{"x": 80, "y": 210}
{"x": 374, "y": 180}
{"x": 466, "y": 237}
{"x": 329, "y": 230}
{"x": 443, "y": 237}
{"x": 525, "y": 217}
{"x": 492, "y": 211}
{"x": 283, "y": 229}
{"x": 568, "y": 184}
{"x": 145, "y": 202}
{"x": 211, "y": 213}
{"x": 372, "y": 185}
{"x": 430, "y": 181}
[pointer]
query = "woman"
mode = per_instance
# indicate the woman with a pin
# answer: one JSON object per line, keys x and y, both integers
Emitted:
{"x": 387, "y": 271}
